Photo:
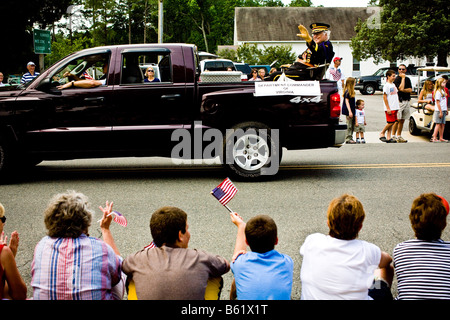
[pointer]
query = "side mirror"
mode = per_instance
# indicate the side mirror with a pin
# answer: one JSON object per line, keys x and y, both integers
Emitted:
{"x": 48, "y": 86}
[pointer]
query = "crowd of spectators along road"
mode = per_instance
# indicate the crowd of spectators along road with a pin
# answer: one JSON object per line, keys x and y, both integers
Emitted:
{"x": 68, "y": 264}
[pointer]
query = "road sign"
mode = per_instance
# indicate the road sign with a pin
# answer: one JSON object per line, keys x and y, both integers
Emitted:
{"x": 42, "y": 41}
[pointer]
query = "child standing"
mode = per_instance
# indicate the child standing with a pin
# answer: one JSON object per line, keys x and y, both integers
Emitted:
{"x": 391, "y": 106}
{"x": 339, "y": 266}
{"x": 348, "y": 108}
{"x": 360, "y": 123}
{"x": 440, "y": 111}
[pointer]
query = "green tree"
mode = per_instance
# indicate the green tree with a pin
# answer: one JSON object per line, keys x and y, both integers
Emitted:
{"x": 19, "y": 18}
{"x": 251, "y": 54}
{"x": 406, "y": 28}
{"x": 300, "y": 3}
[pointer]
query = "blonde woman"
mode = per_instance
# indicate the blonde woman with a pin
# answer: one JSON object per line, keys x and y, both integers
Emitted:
{"x": 440, "y": 111}
{"x": 348, "y": 108}
{"x": 426, "y": 95}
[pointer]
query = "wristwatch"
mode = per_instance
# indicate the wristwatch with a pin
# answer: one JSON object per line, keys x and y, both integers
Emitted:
{"x": 73, "y": 83}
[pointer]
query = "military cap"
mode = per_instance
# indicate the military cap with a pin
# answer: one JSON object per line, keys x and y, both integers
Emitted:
{"x": 319, "y": 27}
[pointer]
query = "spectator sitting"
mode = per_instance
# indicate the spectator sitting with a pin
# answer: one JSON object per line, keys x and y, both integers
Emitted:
{"x": 264, "y": 273}
{"x": 12, "y": 285}
{"x": 421, "y": 264}
{"x": 338, "y": 266}
{"x": 254, "y": 75}
{"x": 171, "y": 271}
{"x": 262, "y": 73}
{"x": 426, "y": 95}
{"x": 70, "y": 265}
{"x": 150, "y": 75}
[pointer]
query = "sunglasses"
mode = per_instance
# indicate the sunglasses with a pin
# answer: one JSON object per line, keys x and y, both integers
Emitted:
{"x": 401, "y": 69}
{"x": 150, "y": 71}
{"x": 3, "y": 219}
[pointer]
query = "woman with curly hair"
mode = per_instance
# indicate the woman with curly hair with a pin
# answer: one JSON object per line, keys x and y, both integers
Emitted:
{"x": 68, "y": 264}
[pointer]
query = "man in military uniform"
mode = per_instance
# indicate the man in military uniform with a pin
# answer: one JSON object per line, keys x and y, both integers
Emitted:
{"x": 311, "y": 64}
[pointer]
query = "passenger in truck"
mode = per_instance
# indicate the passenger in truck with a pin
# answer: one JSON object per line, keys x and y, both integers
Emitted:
{"x": 85, "y": 83}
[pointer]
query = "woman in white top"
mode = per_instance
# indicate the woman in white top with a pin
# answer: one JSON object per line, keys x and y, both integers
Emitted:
{"x": 440, "y": 112}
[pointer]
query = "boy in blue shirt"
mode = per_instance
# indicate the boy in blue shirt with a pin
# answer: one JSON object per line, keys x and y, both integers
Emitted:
{"x": 263, "y": 273}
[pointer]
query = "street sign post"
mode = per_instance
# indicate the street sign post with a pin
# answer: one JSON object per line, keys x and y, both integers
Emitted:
{"x": 42, "y": 45}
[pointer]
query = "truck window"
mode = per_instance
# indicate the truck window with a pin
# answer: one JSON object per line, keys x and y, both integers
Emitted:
{"x": 90, "y": 67}
{"x": 145, "y": 68}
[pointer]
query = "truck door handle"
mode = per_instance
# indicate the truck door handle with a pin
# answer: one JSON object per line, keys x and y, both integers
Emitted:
{"x": 170, "y": 96}
{"x": 95, "y": 99}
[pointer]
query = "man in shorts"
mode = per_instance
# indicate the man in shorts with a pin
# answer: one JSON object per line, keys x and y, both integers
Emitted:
{"x": 391, "y": 106}
{"x": 403, "y": 84}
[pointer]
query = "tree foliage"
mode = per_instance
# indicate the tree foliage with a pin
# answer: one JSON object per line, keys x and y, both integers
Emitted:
{"x": 19, "y": 18}
{"x": 407, "y": 28}
{"x": 251, "y": 54}
{"x": 205, "y": 23}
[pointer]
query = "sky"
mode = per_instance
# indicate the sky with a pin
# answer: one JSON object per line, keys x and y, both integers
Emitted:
{"x": 337, "y": 3}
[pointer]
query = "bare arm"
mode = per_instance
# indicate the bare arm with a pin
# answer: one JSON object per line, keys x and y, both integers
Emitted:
{"x": 104, "y": 226}
{"x": 86, "y": 84}
{"x": 386, "y": 103}
{"x": 17, "y": 288}
{"x": 241, "y": 245}
{"x": 385, "y": 260}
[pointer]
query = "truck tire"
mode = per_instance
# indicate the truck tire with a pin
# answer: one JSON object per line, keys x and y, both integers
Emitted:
{"x": 250, "y": 149}
{"x": 369, "y": 89}
{"x": 413, "y": 127}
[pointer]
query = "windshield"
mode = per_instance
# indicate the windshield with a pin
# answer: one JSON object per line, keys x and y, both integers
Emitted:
{"x": 381, "y": 72}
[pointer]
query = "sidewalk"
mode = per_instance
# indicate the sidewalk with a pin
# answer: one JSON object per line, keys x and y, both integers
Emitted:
{"x": 373, "y": 137}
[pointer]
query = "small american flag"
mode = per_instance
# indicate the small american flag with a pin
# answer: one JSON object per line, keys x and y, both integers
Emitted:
{"x": 87, "y": 76}
{"x": 120, "y": 219}
{"x": 225, "y": 191}
{"x": 150, "y": 246}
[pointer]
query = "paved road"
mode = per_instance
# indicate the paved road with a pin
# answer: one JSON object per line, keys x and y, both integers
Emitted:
{"x": 386, "y": 177}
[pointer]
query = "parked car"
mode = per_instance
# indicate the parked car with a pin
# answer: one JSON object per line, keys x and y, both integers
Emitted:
{"x": 368, "y": 85}
{"x": 216, "y": 65}
{"x": 245, "y": 69}
{"x": 372, "y": 83}
{"x": 126, "y": 117}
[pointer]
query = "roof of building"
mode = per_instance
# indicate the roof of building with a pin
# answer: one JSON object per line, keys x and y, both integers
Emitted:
{"x": 280, "y": 23}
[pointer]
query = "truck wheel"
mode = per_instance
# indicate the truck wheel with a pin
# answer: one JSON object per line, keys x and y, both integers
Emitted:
{"x": 369, "y": 89}
{"x": 413, "y": 128}
{"x": 251, "y": 150}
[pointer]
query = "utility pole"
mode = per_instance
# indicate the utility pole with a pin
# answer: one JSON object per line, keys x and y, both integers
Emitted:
{"x": 160, "y": 21}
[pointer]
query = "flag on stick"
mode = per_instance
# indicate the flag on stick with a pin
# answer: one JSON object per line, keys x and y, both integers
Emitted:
{"x": 224, "y": 192}
{"x": 119, "y": 218}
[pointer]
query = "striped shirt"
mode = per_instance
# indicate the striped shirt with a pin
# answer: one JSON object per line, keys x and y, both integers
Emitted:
{"x": 422, "y": 269}
{"x": 83, "y": 268}
{"x": 27, "y": 77}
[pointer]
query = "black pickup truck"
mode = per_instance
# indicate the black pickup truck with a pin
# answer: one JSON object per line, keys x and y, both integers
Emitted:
{"x": 128, "y": 117}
